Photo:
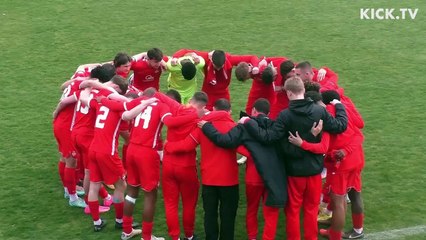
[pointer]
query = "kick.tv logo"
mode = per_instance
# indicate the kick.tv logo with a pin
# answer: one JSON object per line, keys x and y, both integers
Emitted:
{"x": 388, "y": 13}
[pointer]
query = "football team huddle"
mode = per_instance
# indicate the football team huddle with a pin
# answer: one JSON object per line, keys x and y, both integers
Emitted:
{"x": 300, "y": 139}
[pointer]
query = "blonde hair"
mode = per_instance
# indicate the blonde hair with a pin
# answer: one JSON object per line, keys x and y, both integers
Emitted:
{"x": 294, "y": 85}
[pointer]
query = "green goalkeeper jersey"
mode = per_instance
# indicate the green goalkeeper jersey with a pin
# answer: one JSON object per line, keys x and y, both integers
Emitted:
{"x": 186, "y": 88}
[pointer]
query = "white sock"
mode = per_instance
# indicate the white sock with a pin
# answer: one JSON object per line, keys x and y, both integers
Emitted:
{"x": 66, "y": 190}
{"x": 73, "y": 197}
{"x": 108, "y": 197}
{"x": 358, "y": 230}
{"x": 98, "y": 222}
{"x": 119, "y": 220}
{"x": 190, "y": 238}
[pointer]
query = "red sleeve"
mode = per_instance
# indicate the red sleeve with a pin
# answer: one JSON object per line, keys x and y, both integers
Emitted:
{"x": 186, "y": 145}
{"x": 237, "y": 59}
{"x": 175, "y": 121}
{"x": 318, "y": 148}
{"x": 136, "y": 66}
{"x": 93, "y": 104}
{"x": 164, "y": 111}
{"x": 353, "y": 113}
{"x": 354, "y": 144}
{"x": 173, "y": 105}
{"x": 243, "y": 151}
{"x": 184, "y": 51}
{"x": 275, "y": 59}
{"x": 113, "y": 104}
{"x": 132, "y": 104}
{"x": 165, "y": 58}
{"x": 330, "y": 76}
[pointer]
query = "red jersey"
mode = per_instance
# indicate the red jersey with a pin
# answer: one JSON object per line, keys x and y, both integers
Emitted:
{"x": 146, "y": 76}
{"x": 82, "y": 73}
{"x": 350, "y": 141}
{"x": 85, "y": 116}
{"x": 123, "y": 74}
{"x": 330, "y": 80}
{"x": 65, "y": 116}
{"x": 281, "y": 99}
{"x": 147, "y": 125}
{"x": 216, "y": 82}
{"x": 218, "y": 165}
{"x": 259, "y": 89}
{"x": 106, "y": 131}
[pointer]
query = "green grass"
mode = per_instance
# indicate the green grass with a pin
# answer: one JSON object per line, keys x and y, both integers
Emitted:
{"x": 379, "y": 64}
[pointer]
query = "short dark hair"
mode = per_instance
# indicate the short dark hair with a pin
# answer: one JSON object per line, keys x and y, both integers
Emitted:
{"x": 268, "y": 75}
{"x": 155, "y": 54}
{"x": 286, "y": 67}
{"x": 262, "y": 105}
{"x": 103, "y": 73}
{"x": 303, "y": 65}
{"x": 174, "y": 95}
{"x": 218, "y": 58}
{"x": 188, "y": 70}
{"x": 330, "y": 95}
{"x": 121, "y": 59}
{"x": 200, "y": 97}
{"x": 314, "y": 95}
{"x": 312, "y": 86}
{"x": 121, "y": 83}
{"x": 222, "y": 104}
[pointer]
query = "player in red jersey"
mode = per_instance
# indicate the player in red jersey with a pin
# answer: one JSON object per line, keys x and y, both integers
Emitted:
{"x": 324, "y": 76}
{"x": 143, "y": 162}
{"x": 82, "y": 133}
{"x": 284, "y": 72}
{"x": 105, "y": 165}
{"x": 179, "y": 177}
{"x": 218, "y": 72}
{"x": 122, "y": 64}
{"x": 63, "y": 116}
{"x": 147, "y": 71}
{"x": 219, "y": 173}
{"x": 345, "y": 159}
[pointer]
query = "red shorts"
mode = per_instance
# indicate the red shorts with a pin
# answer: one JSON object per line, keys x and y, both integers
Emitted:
{"x": 341, "y": 182}
{"x": 81, "y": 145}
{"x": 105, "y": 168}
{"x": 63, "y": 138}
{"x": 143, "y": 167}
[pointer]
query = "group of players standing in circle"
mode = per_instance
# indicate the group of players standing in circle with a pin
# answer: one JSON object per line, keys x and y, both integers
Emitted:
{"x": 297, "y": 122}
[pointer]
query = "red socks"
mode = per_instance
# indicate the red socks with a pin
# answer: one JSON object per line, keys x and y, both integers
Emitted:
{"x": 358, "y": 220}
{"x": 127, "y": 224}
{"x": 69, "y": 178}
{"x": 61, "y": 170}
{"x": 103, "y": 193}
{"x": 119, "y": 207}
{"x": 334, "y": 235}
{"x": 94, "y": 209}
{"x": 147, "y": 230}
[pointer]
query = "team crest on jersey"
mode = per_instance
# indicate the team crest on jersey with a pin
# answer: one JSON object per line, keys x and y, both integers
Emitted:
{"x": 213, "y": 82}
{"x": 149, "y": 78}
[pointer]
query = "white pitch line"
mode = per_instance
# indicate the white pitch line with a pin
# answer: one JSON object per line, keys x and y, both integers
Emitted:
{"x": 396, "y": 233}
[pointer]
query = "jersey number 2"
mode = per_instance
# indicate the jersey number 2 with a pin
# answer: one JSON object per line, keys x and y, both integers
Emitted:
{"x": 103, "y": 114}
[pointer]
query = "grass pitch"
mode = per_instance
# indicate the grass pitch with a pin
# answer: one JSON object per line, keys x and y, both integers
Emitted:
{"x": 379, "y": 64}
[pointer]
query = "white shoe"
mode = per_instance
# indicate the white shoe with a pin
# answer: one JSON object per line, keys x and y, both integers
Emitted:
{"x": 134, "y": 232}
{"x": 242, "y": 160}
